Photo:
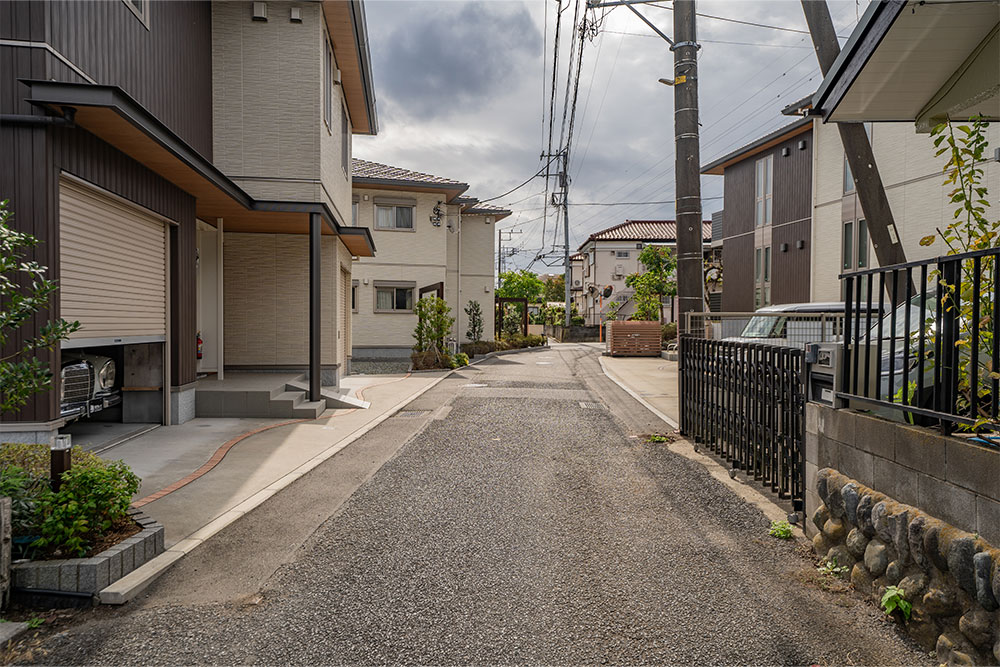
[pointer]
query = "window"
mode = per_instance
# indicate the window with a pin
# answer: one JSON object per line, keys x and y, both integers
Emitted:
{"x": 854, "y": 251}
{"x": 848, "y": 176}
{"x": 763, "y": 188}
{"x": 621, "y": 254}
{"x": 328, "y": 91}
{"x": 345, "y": 141}
{"x": 392, "y": 298}
{"x": 354, "y": 297}
{"x": 141, "y": 10}
{"x": 762, "y": 277}
{"x": 394, "y": 217}
{"x": 354, "y": 213}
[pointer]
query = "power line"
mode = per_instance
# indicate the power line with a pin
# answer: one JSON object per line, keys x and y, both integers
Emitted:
{"x": 742, "y": 22}
{"x": 709, "y": 41}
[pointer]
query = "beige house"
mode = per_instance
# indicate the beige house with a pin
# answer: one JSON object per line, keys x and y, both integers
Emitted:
{"x": 292, "y": 145}
{"x": 431, "y": 240}
{"x": 913, "y": 181}
{"x": 607, "y": 257}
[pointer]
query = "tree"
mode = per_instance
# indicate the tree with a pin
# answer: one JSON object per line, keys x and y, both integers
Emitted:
{"x": 555, "y": 288}
{"x": 434, "y": 322}
{"x": 654, "y": 284}
{"x": 521, "y": 284}
{"x": 21, "y": 372}
{"x": 475, "y": 314}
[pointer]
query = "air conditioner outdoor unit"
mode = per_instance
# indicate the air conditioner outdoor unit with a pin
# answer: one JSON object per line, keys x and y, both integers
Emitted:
{"x": 576, "y": 283}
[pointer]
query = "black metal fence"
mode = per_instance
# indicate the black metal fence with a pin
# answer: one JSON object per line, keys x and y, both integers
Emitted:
{"x": 933, "y": 356}
{"x": 746, "y": 402}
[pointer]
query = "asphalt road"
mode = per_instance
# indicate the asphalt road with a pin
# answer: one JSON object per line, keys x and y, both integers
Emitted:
{"x": 509, "y": 515}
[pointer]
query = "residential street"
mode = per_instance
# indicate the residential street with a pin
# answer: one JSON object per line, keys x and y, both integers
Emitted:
{"x": 517, "y": 518}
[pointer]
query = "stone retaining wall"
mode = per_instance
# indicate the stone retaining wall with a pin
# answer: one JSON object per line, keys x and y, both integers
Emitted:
{"x": 951, "y": 577}
{"x": 92, "y": 575}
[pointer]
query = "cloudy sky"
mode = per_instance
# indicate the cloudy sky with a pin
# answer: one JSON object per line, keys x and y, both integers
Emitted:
{"x": 463, "y": 92}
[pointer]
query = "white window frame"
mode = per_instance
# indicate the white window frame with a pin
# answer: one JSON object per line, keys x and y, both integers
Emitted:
{"x": 763, "y": 211}
{"x": 621, "y": 254}
{"x": 395, "y": 219}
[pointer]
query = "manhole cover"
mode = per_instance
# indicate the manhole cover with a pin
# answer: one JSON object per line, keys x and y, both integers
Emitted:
{"x": 410, "y": 414}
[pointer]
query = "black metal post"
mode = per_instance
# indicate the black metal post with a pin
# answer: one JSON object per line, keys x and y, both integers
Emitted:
{"x": 315, "y": 306}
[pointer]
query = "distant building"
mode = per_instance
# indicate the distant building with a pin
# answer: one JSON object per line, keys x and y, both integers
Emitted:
{"x": 607, "y": 257}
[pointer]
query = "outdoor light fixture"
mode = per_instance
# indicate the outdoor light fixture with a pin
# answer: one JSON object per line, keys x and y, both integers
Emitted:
{"x": 667, "y": 82}
{"x": 59, "y": 459}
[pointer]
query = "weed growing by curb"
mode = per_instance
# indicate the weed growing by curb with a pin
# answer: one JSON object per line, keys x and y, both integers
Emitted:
{"x": 780, "y": 529}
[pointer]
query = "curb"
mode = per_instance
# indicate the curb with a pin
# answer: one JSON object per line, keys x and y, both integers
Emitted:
{"x": 673, "y": 424}
{"x": 138, "y": 580}
{"x": 488, "y": 355}
{"x": 685, "y": 448}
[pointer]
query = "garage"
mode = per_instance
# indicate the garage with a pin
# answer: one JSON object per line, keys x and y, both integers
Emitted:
{"x": 113, "y": 279}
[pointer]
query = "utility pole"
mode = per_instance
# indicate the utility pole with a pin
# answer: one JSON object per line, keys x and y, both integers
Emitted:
{"x": 567, "y": 269}
{"x": 687, "y": 165}
{"x": 857, "y": 147}
{"x": 502, "y": 251}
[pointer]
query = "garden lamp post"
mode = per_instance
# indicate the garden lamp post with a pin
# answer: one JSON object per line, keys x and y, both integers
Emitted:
{"x": 60, "y": 461}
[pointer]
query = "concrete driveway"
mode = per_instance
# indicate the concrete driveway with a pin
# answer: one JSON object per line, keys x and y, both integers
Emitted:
{"x": 509, "y": 515}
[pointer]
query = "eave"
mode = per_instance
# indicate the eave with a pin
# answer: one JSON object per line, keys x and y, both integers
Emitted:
{"x": 766, "y": 142}
{"x": 348, "y": 28}
{"x": 111, "y": 115}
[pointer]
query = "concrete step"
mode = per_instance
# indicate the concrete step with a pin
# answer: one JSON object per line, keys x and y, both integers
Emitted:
{"x": 334, "y": 399}
{"x": 293, "y": 405}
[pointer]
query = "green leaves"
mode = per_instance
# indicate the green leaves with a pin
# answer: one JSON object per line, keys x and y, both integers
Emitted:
{"x": 521, "y": 284}
{"x": 895, "y": 598}
{"x": 475, "y": 314}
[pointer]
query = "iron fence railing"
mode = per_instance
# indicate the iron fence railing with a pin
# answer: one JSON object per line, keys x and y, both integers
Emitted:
{"x": 746, "y": 402}
{"x": 933, "y": 356}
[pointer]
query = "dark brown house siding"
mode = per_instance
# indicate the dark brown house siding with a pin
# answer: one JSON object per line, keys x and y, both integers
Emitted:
{"x": 167, "y": 69}
{"x": 737, "y": 274}
{"x": 790, "y": 222}
{"x": 790, "y": 262}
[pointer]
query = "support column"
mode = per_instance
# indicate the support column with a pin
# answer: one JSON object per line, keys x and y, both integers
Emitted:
{"x": 315, "y": 305}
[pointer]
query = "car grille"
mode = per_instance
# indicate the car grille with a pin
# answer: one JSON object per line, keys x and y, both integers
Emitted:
{"x": 76, "y": 379}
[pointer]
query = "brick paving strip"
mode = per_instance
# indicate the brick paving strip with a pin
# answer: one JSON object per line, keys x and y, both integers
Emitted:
{"x": 221, "y": 452}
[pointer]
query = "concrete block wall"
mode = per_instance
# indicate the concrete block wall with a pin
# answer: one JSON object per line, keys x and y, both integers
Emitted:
{"x": 950, "y": 479}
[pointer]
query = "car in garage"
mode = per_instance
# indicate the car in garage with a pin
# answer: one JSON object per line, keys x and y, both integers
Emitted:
{"x": 88, "y": 384}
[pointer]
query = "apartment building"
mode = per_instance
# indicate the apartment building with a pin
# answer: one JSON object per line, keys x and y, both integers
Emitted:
{"x": 191, "y": 197}
{"x": 610, "y": 255}
{"x": 432, "y": 239}
{"x": 766, "y": 218}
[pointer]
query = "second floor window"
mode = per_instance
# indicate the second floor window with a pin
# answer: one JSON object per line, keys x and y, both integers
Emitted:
{"x": 328, "y": 88}
{"x": 394, "y": 217}
{"x": 621, "y": 254}
{"x": 354, "y": 214}
{"x": 762, "y": 277}
{"x": 763, "y": 190}
{"x": 345, "y": 141}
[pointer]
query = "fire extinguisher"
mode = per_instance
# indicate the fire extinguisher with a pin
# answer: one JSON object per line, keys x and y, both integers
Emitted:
{"x": 201, "y": 345}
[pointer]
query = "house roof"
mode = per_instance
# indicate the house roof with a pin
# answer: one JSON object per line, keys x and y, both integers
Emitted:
{"x": 378, "y": 175}
{"x": 917, "y": 62}
{"x": 650, "y": 231}
{"x": 800, "y": 126}
{"x": 576, "y": 257}
{"x": 348, "y": 28}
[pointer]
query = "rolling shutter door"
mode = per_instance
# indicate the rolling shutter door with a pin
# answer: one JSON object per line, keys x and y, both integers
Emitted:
{"x": 113, "y": 267}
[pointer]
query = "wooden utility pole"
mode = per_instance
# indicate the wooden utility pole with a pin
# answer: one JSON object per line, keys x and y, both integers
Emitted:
{"x": 687, "y": 165}
{"x": 867, "y": 181}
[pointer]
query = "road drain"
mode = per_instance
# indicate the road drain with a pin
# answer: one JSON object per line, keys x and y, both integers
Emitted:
{"x": 411, "y": 414}
{"x": 591, "y": 406}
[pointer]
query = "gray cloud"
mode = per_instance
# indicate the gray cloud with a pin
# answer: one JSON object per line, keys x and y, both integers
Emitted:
{"x": 442, "y": 61}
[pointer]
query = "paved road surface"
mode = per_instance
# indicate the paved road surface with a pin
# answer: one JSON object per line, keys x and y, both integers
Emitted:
{"x": 522, "y": 522}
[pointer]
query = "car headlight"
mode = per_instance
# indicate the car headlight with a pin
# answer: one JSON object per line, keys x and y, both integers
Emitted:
{"x": 106, "y": 376}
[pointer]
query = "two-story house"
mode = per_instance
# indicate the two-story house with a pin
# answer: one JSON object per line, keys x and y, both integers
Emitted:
{"x": 187, "y": 171}
{"x": 610, "y": 255}
{"x": 431, "y": 240}
{"x": 766, "y": 218}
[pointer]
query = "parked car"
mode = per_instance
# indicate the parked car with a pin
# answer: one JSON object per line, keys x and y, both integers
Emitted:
{"x": 794, "y": 324}
{"x": 88, "y": 384}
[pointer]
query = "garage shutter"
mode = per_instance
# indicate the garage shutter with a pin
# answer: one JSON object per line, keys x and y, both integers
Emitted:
{"x": 112, "y": 265}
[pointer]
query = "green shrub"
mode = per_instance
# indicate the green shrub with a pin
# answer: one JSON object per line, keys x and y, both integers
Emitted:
{"x": 462, "y": 359}
{"x": 669, "y": 331}
{"x": 35, "y": 459}
{"x": 518, "y": 342}
{"x": 430, "y": 359}
{"x": 89, "y": 502}
{"x": 479, "y": 347}
{"x": 94, "y": 496}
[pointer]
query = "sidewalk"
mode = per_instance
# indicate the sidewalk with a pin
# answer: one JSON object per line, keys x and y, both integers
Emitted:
{"x": 650, "y": 380}
{"x": 199, "y": 476}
